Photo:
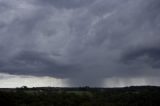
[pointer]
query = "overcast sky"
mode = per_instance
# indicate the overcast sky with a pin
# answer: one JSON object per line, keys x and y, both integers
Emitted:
{"x": 79, "y": 42}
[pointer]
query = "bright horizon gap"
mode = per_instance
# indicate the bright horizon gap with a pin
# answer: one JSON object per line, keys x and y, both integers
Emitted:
{"x": 13, "y": 81}
{"x": 17, "y": 81}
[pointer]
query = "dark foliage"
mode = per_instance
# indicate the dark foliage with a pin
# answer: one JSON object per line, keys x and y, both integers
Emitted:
{"x": 85, "y": 96}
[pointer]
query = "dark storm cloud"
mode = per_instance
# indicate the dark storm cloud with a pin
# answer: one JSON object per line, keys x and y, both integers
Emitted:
{"x": 35, "y": 63}
{"x": 69, "y": 4}
{"x": 85, "y": 41}
{"x": 150, "y": 56}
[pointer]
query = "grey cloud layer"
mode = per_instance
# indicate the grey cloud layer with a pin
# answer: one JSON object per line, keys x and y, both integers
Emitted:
{"x": 82, "y": 40}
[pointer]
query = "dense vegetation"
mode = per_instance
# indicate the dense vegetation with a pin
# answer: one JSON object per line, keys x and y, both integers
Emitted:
{"x": 129, "y": 96}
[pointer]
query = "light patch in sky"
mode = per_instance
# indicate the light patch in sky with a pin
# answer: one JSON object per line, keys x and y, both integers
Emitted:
{"x": 137, "y": 81}
{"x": 12, "y": 81}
